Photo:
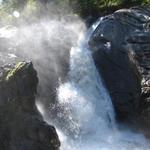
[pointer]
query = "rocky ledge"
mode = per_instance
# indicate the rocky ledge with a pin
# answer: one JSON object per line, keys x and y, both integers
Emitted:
{"x": 21, "y": 125}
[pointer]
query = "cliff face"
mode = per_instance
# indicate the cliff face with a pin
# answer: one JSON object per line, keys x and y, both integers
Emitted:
{"x": 121, "y": 51}
{"x": 21, "y": 125}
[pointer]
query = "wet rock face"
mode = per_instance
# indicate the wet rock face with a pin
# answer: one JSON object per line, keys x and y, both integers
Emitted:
{"x": 121, "y": 47}
{"x": 21, "y": 125}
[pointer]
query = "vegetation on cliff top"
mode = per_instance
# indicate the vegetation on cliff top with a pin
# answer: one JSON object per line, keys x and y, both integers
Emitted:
{"x": 9, "y": 8}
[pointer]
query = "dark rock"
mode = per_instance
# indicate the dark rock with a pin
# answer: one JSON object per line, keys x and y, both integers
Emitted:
{"x": 21, "y": 125}
{"x": 120, "y": 46}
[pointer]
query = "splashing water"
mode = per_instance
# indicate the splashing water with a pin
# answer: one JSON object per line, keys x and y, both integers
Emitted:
{"x": 89, "y": 122}
{"x": 91, "y": 118}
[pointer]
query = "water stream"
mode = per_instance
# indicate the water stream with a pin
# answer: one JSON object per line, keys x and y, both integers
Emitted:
{"x": 88, "y": 119}
{"x": 91, "y": 118}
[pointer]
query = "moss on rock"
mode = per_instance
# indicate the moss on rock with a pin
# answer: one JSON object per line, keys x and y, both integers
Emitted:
{"x": 12, "y": 72}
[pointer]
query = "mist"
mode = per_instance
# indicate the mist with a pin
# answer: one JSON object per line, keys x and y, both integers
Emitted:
{"x": 71, "y": 94}
{"x": 46, "y": 42}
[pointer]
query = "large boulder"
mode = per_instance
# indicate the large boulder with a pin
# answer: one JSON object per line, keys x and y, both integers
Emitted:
{"x": 116, "y": 44}
{"x": 21, "y": 125}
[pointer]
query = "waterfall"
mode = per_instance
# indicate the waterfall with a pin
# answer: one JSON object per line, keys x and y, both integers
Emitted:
{"x": 89, "y": 115}
{"x": 86, "y": 120}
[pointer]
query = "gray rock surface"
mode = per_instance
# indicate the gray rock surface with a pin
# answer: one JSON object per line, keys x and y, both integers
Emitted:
{"x": 121, "y": 51}
{"x": 21, "y": 125}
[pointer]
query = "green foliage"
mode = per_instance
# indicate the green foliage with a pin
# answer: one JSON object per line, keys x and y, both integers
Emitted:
{"x": 7, "y": 8}
{"x": 146, "y": 2}
{"x": 98, "y": 7}
{"x": 83, "y": 8}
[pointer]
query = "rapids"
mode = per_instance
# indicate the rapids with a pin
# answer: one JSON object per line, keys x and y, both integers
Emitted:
{"x": 91, "y": 118}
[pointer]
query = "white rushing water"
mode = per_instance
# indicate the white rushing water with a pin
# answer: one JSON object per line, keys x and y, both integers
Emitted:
{"x": 88, "y": 118}
{"x": 90, "y": 114}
